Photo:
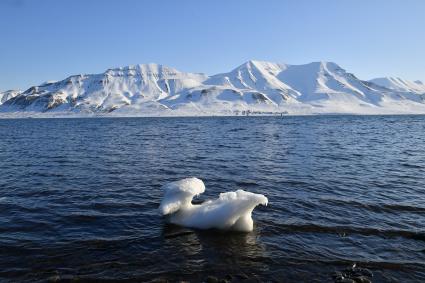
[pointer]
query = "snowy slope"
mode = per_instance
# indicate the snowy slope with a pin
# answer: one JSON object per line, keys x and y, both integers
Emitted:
{"x": 4, "y": 96}
{"x": 152, "y": 89}
{"x": 401, "y": 85}
{"x": 113, "y": 89}
{"x": 257, "y": 76}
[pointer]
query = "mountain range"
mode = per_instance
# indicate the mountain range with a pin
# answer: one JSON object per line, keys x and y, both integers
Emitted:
{"x": 255, "y": 87}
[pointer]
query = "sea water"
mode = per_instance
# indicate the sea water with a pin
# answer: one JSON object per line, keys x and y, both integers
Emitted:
{"x": 79, "y": 198}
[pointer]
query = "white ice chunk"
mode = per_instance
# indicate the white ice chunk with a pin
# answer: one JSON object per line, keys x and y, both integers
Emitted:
{"x": 231, "y": 211}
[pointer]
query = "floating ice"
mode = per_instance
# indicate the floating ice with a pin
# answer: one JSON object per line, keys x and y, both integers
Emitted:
{"x": 232, "y": 210}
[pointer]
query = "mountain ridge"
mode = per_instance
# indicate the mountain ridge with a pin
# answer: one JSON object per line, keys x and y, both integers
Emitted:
{"x": 399, "y": 84}
{"x": 257, "y": 86}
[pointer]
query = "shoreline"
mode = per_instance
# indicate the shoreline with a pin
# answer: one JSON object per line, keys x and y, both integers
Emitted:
{"x": 206, "y": 115}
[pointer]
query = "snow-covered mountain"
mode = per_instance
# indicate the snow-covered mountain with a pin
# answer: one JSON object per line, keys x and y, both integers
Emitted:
{"x": 255, "y": 86}
{"x": 4, "y": 96}
{"x": 398, "y": 84}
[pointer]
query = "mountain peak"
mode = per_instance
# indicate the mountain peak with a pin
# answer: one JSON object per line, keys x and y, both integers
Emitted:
{"x": 264, "y": 67}
{"x": 257, "y": 63}
{"x": 325, "y": 65}
{"x": 256, "y": 84}
{"x": 143, "y": 69}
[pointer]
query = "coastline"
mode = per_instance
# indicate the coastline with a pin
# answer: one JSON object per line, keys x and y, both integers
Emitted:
{"x": 74, "y": 115}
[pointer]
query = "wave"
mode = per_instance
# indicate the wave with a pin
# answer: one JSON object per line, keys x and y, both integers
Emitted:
{"x": 345, "y": 230}
{"x": 376, "y": 207}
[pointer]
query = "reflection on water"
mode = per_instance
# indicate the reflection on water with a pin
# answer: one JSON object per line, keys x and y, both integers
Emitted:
{"x": 214, "y": 252}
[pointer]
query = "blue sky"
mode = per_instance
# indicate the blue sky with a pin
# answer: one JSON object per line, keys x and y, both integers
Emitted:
{"x": 44, "y": 40}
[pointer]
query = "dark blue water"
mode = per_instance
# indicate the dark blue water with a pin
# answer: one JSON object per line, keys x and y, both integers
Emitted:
{"x": 79, "y": 198}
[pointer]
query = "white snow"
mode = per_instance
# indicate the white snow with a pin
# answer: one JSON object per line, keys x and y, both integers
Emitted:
{"x": 231, "y": 211}
{"x": 400, "y": 85}
{"x": 4, "y": 96}
{"x": 255, "y": 86}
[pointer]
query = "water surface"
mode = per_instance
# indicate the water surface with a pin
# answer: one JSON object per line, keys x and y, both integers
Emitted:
{"x": 79, "y": 197}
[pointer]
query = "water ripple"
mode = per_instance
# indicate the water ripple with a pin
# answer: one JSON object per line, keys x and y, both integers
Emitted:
{"x": 79, "y": 198}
